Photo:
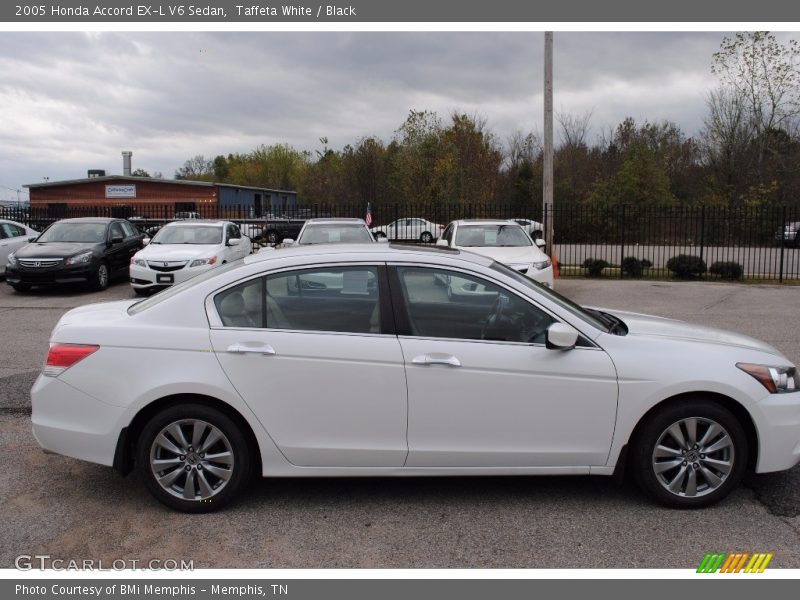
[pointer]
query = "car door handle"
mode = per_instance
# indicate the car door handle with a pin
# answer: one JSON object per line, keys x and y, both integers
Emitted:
{"x": 436, "y": 358}
{"x": 265, "y": 349}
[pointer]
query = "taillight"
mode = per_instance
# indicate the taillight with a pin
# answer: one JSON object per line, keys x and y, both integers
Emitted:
{"x": 62, "y": 356}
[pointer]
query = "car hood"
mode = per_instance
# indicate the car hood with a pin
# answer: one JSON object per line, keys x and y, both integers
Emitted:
{"x": 170, "y": 252}
{"x": 650, "y": 325}
{"x": 52, "y": 249}
{"x": 511, "y": 254}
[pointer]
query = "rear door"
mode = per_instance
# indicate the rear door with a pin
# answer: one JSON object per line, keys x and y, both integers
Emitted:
{"x": 313, "y": 353}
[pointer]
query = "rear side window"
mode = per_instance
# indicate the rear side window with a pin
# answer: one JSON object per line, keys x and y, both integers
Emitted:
{"x": 343, "y": 299}
{"x": 242, "y": 305}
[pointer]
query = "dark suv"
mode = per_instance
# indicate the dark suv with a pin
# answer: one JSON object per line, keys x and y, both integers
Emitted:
{"x": 88, "y": 250}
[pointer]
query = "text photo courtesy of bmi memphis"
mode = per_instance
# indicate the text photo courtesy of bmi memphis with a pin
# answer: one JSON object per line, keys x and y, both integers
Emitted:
{"x": 393, "y": 303}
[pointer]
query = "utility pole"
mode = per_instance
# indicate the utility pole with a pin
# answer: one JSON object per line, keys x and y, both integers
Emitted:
{"x": 547, "y": 195}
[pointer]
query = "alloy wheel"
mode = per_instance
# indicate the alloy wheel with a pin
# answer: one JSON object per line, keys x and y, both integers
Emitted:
{"x": 693, "y": 457}
{"x": 192, "y": 459}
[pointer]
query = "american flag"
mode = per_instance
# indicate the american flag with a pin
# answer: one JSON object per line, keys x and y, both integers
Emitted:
{"x": 368, "y": 217}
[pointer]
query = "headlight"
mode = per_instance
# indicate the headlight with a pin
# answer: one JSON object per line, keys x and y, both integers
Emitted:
{"x": 777, "y": 380}
{"x": 519, "y": 266}
{"x": 541, "y": 264}
{"x": 139, "y": 262}
{"x": 79, "y": 259}
{"x": 203, "y": 261}
{"x": 12, "y": 260}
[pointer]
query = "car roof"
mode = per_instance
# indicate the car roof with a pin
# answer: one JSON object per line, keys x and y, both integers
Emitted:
{"x": 486, "y": 222}
{"x": 335, "y": 221}
{"x": 195, "y": 222}
{"x": 369, "y": 252}
{"x": 88, "y": 220}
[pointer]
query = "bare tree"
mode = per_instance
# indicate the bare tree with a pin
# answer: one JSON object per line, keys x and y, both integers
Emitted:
{"x": 574, "y": 127}
{"x": 523, "y": 148}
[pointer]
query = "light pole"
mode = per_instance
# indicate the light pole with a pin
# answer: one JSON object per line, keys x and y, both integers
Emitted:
{"x": 547, "y": 192}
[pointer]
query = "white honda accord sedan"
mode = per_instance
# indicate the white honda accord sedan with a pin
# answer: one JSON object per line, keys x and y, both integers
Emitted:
{"x": 270, "y": 365}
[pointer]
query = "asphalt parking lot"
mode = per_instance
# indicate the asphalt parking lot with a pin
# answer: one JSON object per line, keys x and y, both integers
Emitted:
{"x": 69, "y": 509}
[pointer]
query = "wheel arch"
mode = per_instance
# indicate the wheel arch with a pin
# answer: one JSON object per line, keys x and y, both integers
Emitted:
{"x": 736, "y": 408}
{"x": 126, "y": 443}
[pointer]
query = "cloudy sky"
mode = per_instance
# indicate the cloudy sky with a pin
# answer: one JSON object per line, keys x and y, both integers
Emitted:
{"x": 73, "y": 101}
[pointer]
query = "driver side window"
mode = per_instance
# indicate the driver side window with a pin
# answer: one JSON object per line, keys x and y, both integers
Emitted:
{"x": 450, "y": 304}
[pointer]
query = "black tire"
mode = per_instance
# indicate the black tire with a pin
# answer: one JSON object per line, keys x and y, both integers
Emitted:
{"x": 705, "y": 412}
{"x": 21, "y": 287}
{"x": 537, "y": 235}
{"x": 379, "y": 234}
{"x": 272, "y": 237}
{"x": 234, "y": 438}
{"x": 426, "y": 237}
{"x": 102, "y": 277}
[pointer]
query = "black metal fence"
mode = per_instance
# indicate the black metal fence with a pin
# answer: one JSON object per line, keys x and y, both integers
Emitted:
{"x": 762, "y": 241}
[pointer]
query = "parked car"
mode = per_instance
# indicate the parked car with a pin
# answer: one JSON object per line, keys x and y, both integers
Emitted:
{"x": 277, "y": 229}
{"x": 250, "y": 367}
{"x": 532, "y": 228}
{"x": 409, "y": 230}
{"x": 183, "y": 249}
{"x": 182, "y": 215}
{"x": 787, "y": 234}
{"x": 87, "y": 250}
{"x": 504, "y": 241}
{"x": 13, "y": 236}
{"x": 333, "y": 231}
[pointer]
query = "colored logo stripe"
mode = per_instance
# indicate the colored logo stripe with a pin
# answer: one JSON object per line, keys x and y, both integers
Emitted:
{"x": 734, "y": 563}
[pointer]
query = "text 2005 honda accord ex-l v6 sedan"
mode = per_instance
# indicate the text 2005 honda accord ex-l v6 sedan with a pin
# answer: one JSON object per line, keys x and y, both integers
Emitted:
{"x": 354, "y": 360}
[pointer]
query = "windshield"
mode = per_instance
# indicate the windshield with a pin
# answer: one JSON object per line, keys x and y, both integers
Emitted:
{"x": 86, "y": 233}
{"x": 565, "y": 303}
{"x": 491, "y": 236}
{"x": 196, "y": 234}
{"x": 334, "y": 234}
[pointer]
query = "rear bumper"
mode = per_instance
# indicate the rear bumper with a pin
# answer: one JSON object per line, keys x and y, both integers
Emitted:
{"x": 69, "y": 422}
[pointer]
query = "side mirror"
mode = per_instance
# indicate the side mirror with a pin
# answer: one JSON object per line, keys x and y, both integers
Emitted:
{"x": 540, "y": 243}
{"x": 561, "y": 337}
{"x": 382, "y": 240}
{"x": 145, "y": 241}
{"x": 442, "y": 242}
{"x": 288, "y": 241}
{"x": 234, "y": 241}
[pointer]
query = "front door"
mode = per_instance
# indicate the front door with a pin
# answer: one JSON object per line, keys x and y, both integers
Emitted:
{"x": 307, "y": 352}
{"x": 484, "y": 391}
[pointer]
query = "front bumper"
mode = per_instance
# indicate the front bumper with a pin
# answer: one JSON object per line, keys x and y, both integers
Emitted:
{"x": 69, "y": 422}
{"x": 145, "y": 277}
{"x": 51, "y": 276}
{"x": 777, "y": 420}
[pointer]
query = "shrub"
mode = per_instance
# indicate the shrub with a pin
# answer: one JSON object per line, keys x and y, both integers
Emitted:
{"x": 727, "y": 270}
{"x": 632, "y": 266}
{"x": 646, "y": 264}
{"x": 686, "y": 266}
{"x": 595, "y": 266}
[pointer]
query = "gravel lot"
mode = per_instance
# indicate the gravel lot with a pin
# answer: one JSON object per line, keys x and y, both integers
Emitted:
{"x": 75, "y": 510}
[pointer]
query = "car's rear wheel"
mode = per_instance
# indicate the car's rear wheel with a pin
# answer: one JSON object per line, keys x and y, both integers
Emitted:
{"x": 426, "y": 237}
{"x": 690, "y": 455}
{"x": 193, "y": 458}
{"x": 101, "y": 277}
{"x": 272, "y": 237}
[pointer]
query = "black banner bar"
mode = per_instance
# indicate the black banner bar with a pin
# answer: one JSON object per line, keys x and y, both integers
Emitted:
{"x": 365, "y": 11}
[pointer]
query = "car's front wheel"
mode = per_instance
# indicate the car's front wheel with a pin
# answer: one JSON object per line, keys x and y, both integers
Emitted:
{"x": 101, "y": 277}
{"x": 690, "y": 455}
{"x": 193, "y": 458}
{"x": 426, "y": 237}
